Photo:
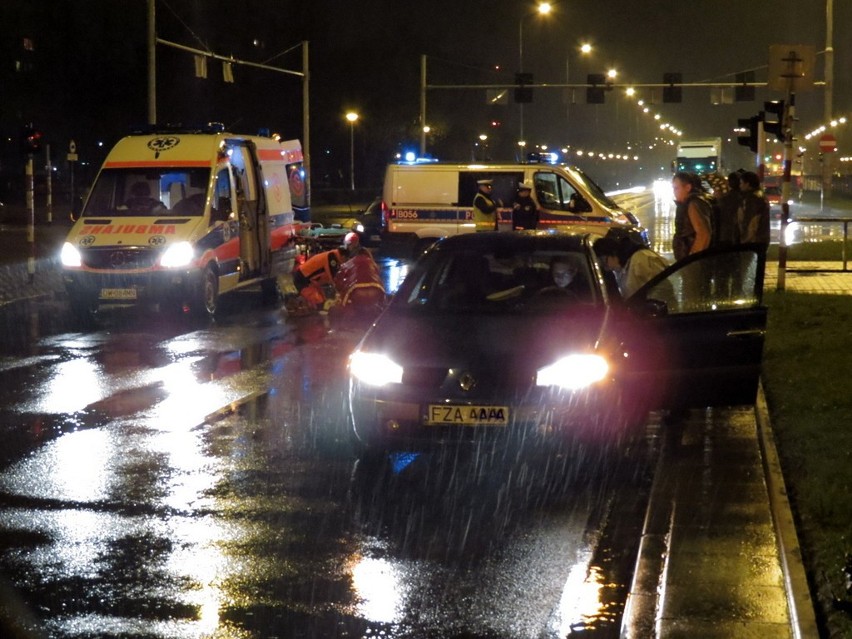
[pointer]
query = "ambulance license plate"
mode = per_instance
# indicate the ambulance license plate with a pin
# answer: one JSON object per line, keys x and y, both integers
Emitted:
{"x": 456, "y": 415}
{"x": 118, "y": 293}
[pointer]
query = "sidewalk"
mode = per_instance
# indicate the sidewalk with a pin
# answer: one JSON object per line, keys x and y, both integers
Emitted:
{"x": 825, "y": 278}
{"x": 719, "y": 555}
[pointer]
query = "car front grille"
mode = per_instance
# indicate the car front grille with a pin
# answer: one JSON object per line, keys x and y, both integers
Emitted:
{"x": 120, "y": 258}
{"x": 424, "y": 377}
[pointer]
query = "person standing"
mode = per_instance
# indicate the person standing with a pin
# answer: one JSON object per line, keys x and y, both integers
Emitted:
{"x": 726, "y": 231}
{"x": 485, "y": 207}
{"x": 693, "y": 214}
{"x": 754, "y": 214}
{"x": 524, "y": 208}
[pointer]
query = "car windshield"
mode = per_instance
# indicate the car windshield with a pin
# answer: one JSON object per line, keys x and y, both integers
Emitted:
{"x": 528, "y": 281}
{"x": 149, "y": 192}
{"x": 772, "y": 190}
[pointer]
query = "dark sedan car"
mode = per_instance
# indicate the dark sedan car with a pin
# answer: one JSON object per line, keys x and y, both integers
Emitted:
{"x": 369, "y": 223}
{"x": 479, "y": 341}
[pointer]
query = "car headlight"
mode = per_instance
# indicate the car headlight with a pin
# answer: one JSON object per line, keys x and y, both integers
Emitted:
{"x": 573, "y": 372}
{"x": 70, "y": 255}
{"x": 374, "y": 369}
{"x": 177, "y": 255}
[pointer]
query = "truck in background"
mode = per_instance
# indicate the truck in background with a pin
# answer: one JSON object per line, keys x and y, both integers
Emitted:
{"x": 699, "y": 156}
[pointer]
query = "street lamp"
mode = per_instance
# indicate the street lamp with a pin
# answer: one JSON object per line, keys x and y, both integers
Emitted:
{"x": 352, "y": 117}
{"x": 542, "y": 9}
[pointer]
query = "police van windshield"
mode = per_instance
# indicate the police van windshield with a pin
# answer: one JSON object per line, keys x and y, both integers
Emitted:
{"x": 149, "y": 192}
{"x": 593, "y": 188}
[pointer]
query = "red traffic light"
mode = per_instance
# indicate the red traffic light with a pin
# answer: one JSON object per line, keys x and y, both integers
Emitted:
{"x": 31, "y": 140}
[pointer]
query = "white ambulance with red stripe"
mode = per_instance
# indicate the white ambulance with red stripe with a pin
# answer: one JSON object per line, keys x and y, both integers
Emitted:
{"x": 180, "y": 217}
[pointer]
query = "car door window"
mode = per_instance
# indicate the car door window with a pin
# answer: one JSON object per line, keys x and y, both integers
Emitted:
{"x": 714, "y": 281}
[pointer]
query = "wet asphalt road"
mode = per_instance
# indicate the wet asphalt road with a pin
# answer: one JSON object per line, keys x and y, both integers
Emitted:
{"x": 163, "y": 479}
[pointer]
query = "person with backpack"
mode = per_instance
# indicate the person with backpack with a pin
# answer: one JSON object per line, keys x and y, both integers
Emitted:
{"x": 693, "y": 216}
{"x": 754, "y": 213}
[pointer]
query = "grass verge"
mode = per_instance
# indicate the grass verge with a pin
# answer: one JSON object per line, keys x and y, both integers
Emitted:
{"x": 806, "y": 376}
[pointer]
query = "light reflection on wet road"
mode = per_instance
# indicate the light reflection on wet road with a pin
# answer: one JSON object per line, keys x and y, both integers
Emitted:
{"x": 164, "y": 480}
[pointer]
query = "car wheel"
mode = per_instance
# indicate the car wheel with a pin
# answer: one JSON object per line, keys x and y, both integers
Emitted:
{"x": 271, "y": 290}
{"x": 207, "y": 296}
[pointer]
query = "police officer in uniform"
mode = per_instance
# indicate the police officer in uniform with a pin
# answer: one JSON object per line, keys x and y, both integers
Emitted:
{"x": 485, "y": 207}
{"x": 524, "y": 208}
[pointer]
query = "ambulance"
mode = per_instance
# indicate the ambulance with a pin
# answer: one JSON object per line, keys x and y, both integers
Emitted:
{"x": 426, "y": 201}
{"x": 179, "y": 217}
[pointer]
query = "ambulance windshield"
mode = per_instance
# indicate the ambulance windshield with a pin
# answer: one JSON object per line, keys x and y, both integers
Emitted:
{"x": 135, "y": 192}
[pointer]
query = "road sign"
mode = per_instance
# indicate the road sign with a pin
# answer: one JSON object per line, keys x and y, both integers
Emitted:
{"x": 791, "y": 67}
{"x": 827, "y": 143}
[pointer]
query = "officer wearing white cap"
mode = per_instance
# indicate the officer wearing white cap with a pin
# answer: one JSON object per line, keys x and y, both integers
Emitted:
{"x": 524, "y": 208}
{"x": 485, "y": 207}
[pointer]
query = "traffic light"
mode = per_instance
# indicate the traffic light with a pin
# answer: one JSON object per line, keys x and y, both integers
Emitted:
{"x": 749, "y": 131}
{"x": 30, "y": 140}
{"x": 523, "y": 93}
{"x": 672, "y": 93}
{"x": 775, "y": 127}
{"x": 595, "y": 93}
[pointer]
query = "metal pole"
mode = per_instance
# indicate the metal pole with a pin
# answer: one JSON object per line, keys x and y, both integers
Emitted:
{"x": 49, "y": 184}
{"x": 422, "y": 106}
{"x": 152, "y": 63}
{"x": 521, "y": 70}
{"x": 829, "y": 88}
{"x": 352, "y": 154}
{"x": 789, "y": 119}
{"x": 306, "y": 124}
{"x": 30, "y": 216}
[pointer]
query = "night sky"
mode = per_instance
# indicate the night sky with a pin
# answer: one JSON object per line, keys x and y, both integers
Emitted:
{"x": 85, "y": 76}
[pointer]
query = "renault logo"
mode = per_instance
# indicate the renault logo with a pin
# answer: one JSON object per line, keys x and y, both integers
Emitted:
{"x": 467, "y": 381}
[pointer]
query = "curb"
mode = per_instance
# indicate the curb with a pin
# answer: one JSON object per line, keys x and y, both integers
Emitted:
{"x": 639, "y": 620}
{"x": 802, "y": 616}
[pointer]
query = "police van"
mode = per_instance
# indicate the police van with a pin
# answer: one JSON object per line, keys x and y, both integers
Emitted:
{"x": 180, "y": 217}
{"x": 426, "y": 201}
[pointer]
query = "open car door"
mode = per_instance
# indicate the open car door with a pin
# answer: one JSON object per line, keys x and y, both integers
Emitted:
{"x": 693, "y": 336}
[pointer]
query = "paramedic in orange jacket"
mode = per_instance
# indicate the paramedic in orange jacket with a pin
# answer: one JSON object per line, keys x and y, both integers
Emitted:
{"x": 319, "y": 270}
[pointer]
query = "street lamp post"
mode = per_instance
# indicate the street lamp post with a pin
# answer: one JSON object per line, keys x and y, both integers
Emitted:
{"x": 352, "y": 117}
{"x": 585, "y": 49}
{"x": 543, "y": 9}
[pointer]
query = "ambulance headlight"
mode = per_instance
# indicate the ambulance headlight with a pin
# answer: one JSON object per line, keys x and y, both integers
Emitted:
{"x": 177, "y": 255}
{"x": 70, "y": 255}
{"x": 573, "y": 372}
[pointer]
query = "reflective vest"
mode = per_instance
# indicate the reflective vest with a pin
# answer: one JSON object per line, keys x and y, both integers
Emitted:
{"x": 484, "y": 212}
